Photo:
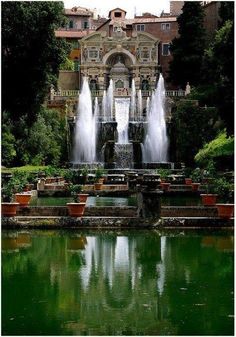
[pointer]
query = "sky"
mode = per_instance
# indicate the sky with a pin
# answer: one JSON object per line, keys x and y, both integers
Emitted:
{"x": 130, "y": 6}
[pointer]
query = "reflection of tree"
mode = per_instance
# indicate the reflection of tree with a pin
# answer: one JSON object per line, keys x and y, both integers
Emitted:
{"x": 200, "y": 279}
{"x": 148, "y": 254}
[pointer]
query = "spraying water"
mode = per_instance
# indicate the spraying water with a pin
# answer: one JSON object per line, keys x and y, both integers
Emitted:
{"x": 133, "y": 101}
{"x": 109, "y": 101}
{"x": 140, "y": 105}
{"x": 156, "y": 141}
{"x": 104, "y": 104}
{"x": 85, "y": 128}
{"x": 147, "y": 107}
{"x": 122, "y": 119}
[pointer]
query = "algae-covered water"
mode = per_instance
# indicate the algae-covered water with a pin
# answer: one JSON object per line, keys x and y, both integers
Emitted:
{"x": 117, "y": 283}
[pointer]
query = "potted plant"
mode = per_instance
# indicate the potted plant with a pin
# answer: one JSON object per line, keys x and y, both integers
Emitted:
{"x": 75, "y": 209}
{"x": 164, "y": 174}
{"x": 188, "y": 180}
{"x": 196, "y": 177}
{"x": 84, "y": 175}
{"x": 209, "y": 198}
{"x": 225, "y": 192}
{"x": 99, "y": 178}
{"x": 19, "y": 181}
{"x": 9, "y": 208}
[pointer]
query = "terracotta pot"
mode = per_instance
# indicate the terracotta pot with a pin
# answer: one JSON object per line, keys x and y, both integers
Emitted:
{"x": 98, "y": 186}
{"x": 208, "y": 199}
{"x": 188, "y": 181}
{"x": 23, "y": 240}
{"x": 83, "y": 197}
{"x": 225, "y": 211}
{"x": 23, "y": 199}
{"x": 76, "y": 243}
{"x": 9, "y": 208}
{"x": 195, "y": 186}
{"x": 101, "y": 180}
{"x": 165, "y": 186}
{"x": 76, "y": 209}
{"x": 9, "y": 244}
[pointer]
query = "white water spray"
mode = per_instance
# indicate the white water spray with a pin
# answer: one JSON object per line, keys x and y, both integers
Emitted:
{"x": 140, "y": 106}
{"x": 156, "y": 141}
{"x": 104, "y": 105}
{"x": 85, "y": 128}
{"x": 122, "y": 119}
{"x": 109, "y": 101}
{"x": 133, "y": 101}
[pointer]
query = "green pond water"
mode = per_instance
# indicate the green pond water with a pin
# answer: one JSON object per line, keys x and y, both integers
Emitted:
{"x": 117, "y": 283}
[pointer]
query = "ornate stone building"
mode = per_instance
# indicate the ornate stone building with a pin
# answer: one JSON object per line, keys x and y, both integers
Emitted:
{"x": 121, "y": 58}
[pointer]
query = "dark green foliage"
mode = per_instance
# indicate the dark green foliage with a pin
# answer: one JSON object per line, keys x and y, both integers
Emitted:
{"x": 188, "y": 48}
{"x": 224, "y": 189}
{"x": 226, "y": 11}
{"x": 46, "y": 138}
{"x": 193, "y": 126}
{"x": 74, "y": 190}
{"x": 218, "y": 147}
{"x": 31, "y": 55}
{"x": 196, "y": 175}
{"x": 164, "y": 173}
{"x": 219, "y": 72}
{"x": 8, "y": 141}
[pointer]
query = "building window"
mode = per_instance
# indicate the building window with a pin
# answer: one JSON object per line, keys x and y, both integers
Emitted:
{"x": 145, "y": 85}
{"x": 140, "y": 28}
{"x": 117, "y": 15}
{"x": 86, "y": 25}
{"x": 71, "y": 24}
{"x": 119, "y": 84}
{"x": 165, "y": 49}
{"x": 145, "y": 54}
{"x": 93, "y": 54}
{"x": 165, "y": 26}
{"x": 93, "y": 85}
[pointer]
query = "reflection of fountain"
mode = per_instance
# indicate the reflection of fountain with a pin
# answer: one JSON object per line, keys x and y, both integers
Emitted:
{"x": 156, "y": 141}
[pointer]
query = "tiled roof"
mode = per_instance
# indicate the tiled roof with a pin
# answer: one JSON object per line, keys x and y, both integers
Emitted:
{"x": 72, "y": 34}
{"x": 80, "y": 11}
{"x": 144, "y": 20}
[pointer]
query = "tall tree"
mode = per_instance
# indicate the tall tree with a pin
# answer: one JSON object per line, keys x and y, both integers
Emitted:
{"x": 31, "y": 54}
{"x": 188, "y": 49}
{"x": 219, "y": 66}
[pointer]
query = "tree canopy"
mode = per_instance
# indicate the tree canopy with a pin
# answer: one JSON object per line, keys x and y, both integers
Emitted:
{"x": 31, "y": 55}
{"x": 188, "y": 49}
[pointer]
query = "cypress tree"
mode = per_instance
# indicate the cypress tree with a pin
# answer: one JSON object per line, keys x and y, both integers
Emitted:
{"x": 188, "y": 49}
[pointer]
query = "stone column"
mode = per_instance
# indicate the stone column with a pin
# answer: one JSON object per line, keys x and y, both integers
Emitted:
{"x": 149, "y": 203}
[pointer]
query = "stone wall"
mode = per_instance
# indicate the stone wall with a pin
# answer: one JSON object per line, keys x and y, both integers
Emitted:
{"x": 69, "y": 80}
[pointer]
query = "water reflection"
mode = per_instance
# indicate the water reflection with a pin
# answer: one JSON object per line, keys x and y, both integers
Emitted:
{"x": 12, "y": 242}
{"x": 139, "y": 283}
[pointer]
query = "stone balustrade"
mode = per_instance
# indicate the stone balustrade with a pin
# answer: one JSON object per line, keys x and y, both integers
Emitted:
{"x": 119, "y": 93}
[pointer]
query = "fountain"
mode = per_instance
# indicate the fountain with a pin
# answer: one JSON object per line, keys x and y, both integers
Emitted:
{"x": 123, "y": 150}
{"x": 85, "y": 128}
{"x": 156, "y": 142}
{"x": 121, "y": 118}
{"x": 109, "y": 101}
